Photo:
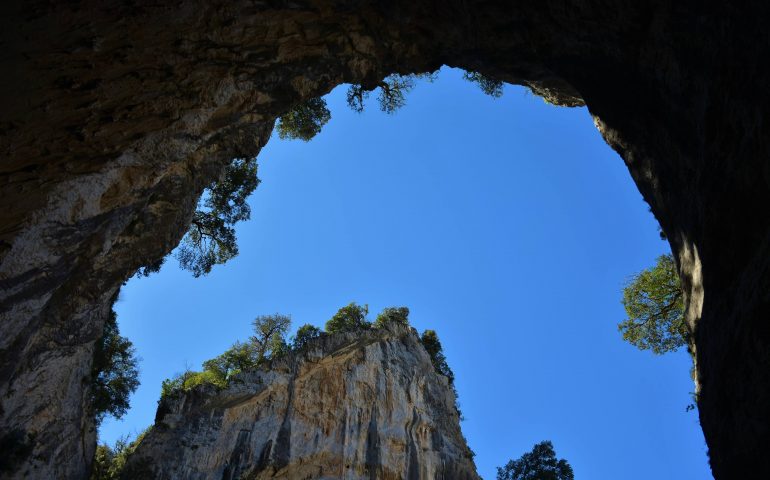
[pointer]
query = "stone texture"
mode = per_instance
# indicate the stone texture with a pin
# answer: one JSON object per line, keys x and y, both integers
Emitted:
{"x": 360, "y": 405}
{"x": 116, "y": 115}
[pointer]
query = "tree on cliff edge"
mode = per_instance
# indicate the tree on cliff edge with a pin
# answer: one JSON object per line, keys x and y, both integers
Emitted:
{"x": 538, "y": 464}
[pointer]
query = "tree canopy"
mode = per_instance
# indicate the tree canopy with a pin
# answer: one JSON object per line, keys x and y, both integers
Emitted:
{"x": 653, "y": 302}
{"x": 538, "y": 464}
{"x": 304, "y": 335}
{"x": 304, "y": 121}
{"x": 114, "y": 372}
{"x": 351, "y": 317}
{"x": 392, "y": 315}
{"x": 211, "y": 238}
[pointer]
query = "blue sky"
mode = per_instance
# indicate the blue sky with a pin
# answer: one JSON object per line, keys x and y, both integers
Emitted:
{"x": 507, "y": 225}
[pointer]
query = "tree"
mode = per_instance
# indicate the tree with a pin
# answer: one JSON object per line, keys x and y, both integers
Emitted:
{"x": 114, "y": 373}
{"x": 110, "y": 462}
{"x": 211, "y": 239}
{"x": 237, "y": 358}
{"x": 392, "y": 91}
{"x": 304, "y": 121}
{"x": 539, "y": 464}
{"x": 392, "y": 315}
{"x": 653, "y": 303}
{"x": 492, "y": 87}
{"x": 304, "y": 335}
{"x": 433, "y": 346}
{"x": 349, "y": 318}
{"x": 269, "y": 335}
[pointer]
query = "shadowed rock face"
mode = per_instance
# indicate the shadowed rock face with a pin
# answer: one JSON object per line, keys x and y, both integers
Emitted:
{"x": 116, "y": 115}
{"x": 358, "y": 406}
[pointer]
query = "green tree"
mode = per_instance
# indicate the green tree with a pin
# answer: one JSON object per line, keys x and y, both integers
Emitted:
{"x": 110, "y": 462}
{"x": 239, "y": 357}
{"x": 349, "y": 318}
{"x": 653, "y": 303}
{"x": 392, "y": 315}
{"x": 211, "y": 239}
{"x": 304, "y": 335}
{"x": 539, "y": 464}
{"x": 434, "y": 348}
{"x": 269, "y": 335}
{"x": 304, "y": 121}
{"x": 114, "y": 373}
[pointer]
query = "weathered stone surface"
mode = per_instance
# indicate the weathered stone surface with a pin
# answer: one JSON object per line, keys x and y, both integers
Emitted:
{"x": 360, "y": 405}
{"x": 116, "y": 115}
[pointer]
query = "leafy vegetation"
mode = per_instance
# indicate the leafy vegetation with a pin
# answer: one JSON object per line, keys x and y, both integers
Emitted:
{"x": 653, "y": 303}
{"x": 304, "y": 335}
{"x": 110, "y": 462}
{"x": 267, "y": 343}
{"x": 392, "y": 315}
{"x": 114, "y": 372}
{"x": 349, "y": 318}
{"x": 490, "y": 86}
{"x": 433, "y": 346}
{"x": 304, "y": 121}
{"x": 211, "y": 238}
{"x": 538, "y": 464}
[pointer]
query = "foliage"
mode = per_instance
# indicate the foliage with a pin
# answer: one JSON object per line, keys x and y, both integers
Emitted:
{"x": 392, "y": 91}
{"x": 305, "y": 334}
{"x": 349, "y": 318}
{"x": 304, "y": 121}
{"x": 211, "y": 238}
{"x": 269, "y": 334}
{"x": 433, "y": 346}
{"x": 392, "y": 315}
{"x": 114, "y": 373}
{"x": 267, "y": 343}
{"x": 491, "y": 87}
{"x": 110, "y": 462}
{"x": 539, "y": 464}
{"x": 653, "y": 303}
{"x": 237, "y": 358}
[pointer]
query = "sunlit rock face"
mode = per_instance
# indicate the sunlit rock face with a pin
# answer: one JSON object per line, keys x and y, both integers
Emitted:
{"x": 365, "y": 405}
{"x": 116, "y": 115}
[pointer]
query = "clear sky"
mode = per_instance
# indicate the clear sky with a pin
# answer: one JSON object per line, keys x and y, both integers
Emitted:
{"x": 507, "y": 225}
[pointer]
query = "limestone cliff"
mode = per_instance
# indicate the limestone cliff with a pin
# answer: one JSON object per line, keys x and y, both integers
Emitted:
{"x": 353, "y": 405}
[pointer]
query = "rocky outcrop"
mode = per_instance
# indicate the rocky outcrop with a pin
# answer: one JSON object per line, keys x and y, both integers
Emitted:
{"x": 116, "y": 115}
{"x": 360, "y": 405}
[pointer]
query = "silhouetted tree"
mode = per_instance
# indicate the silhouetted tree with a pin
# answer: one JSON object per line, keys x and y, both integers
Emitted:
{"x": 539, "y": 464}
{"x": 490, "y": 86}
{"x": 211, "y": 238}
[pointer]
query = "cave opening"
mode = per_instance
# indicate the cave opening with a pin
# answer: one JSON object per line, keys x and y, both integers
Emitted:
{"x": 508, "y": 225}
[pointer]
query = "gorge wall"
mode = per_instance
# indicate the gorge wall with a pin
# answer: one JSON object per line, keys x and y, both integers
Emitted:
{"x": 360, "y": 405}
{"x": 116, "y": 115}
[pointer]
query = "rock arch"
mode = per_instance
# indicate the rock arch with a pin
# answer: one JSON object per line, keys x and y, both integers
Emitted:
{"x": 116, "y": 115}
